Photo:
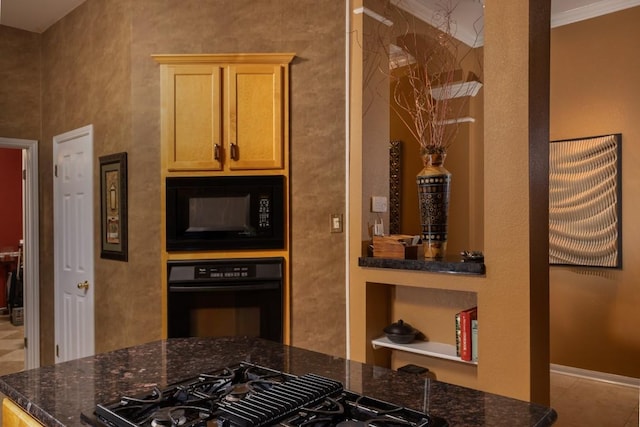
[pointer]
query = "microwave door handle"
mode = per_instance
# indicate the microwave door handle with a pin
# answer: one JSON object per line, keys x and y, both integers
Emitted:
{"x": 216, "y": 151}
{"x": 234, "y": 151}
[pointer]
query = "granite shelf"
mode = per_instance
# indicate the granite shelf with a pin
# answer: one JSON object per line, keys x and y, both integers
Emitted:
{"x": 444, "y": 266}
{"x": 425, "y": 348}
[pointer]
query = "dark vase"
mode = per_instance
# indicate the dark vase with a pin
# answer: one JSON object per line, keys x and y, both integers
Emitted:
{"x": 434, "y": 184}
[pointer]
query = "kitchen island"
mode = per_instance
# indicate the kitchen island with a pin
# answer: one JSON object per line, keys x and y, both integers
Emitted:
{"x": 57, "y": 395}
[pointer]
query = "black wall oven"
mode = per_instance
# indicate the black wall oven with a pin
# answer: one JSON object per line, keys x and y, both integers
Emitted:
{"x": 225, "y": 213}
{"x": 226, "y": 297}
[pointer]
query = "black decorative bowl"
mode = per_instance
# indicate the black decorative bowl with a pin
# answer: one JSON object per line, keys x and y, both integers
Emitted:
{"x": 400, "y": 332}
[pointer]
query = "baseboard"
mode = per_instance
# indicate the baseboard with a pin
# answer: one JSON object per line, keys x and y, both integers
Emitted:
{"x": 596, "y": 376}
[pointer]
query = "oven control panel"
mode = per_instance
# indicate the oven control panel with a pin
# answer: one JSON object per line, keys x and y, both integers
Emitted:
{"x": 224, "y": 270}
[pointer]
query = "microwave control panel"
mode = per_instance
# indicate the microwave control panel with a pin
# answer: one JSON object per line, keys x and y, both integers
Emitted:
{"x": 264, "y": 212}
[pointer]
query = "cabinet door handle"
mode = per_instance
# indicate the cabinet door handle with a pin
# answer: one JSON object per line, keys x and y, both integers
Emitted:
{"x": 234, "y": 151}
{"x": 216, "y": 151}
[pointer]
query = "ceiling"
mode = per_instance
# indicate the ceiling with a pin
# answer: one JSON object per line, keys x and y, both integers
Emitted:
{"x": 38, "y": 15}
{"x": 34, "y": 15}
{"x": 467, "y": 14}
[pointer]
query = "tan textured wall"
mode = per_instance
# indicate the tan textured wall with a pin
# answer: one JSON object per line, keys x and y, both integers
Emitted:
{"x": 594, "y": 91}
{"x": 20, "y": 68}
{"x": 315, "y": 34}
{"x": 19, "y": 84}
{"x": 99, "y": 70}
{"x": 87, "y": 80}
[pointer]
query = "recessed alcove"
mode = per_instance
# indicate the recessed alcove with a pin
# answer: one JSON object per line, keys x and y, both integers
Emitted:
{"x": 500, "y": 186}
{"x": 430, "y": 311}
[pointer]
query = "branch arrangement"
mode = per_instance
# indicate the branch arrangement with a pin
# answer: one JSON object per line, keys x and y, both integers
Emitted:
{"x": 430, "y": 58}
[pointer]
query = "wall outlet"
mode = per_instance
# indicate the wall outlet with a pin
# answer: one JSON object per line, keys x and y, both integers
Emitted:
{"x": 378, "y": 228}
{"x": 378, "y": 204}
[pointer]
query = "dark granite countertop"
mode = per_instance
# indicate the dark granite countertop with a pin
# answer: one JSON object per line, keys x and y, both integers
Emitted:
{"x": 57, "y": 395}
{"x": 450, "y": 266}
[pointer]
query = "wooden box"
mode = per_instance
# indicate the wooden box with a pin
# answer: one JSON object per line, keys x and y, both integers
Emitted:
{"x": 396, "y": 246}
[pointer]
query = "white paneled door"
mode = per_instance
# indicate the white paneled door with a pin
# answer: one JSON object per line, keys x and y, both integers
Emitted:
{"x": 73, "y": 241}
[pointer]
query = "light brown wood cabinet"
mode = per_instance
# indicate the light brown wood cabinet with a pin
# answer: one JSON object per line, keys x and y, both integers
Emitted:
{"x": 14, "y": 416}
{"x": 224, "y": 113}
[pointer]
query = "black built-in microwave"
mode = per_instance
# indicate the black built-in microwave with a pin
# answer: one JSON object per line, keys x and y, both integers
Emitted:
{"x": 225, "y": 213}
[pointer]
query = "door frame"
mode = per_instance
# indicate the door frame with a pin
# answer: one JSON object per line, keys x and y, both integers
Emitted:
{"x": 32, "y": 242}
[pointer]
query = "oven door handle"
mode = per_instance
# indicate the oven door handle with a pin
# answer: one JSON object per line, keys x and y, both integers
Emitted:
{"x": 225, "y": 288}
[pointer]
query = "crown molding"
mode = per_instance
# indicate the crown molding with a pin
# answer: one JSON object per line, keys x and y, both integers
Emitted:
{"x": 370, "y": 13}
{"x": 593, "y": 10}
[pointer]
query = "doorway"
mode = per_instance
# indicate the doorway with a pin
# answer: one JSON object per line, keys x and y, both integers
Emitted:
{"x": 31, "y": 285}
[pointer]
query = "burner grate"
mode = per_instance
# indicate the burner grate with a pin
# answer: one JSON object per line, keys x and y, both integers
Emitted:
{"x": 268, "y": 406}
{"x": 248, "y": 395}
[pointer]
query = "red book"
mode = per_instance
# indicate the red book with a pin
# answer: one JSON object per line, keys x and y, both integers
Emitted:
{"x": 465, "y": 332}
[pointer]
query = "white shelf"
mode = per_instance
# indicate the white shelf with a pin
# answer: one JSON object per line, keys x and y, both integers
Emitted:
{"x": 425, "y": 348}
{"x": 466, "y": 119}
{"x": 456, "y": 90}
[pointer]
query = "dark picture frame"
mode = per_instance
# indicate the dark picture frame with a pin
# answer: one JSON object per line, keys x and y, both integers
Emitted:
{"x": 113, "y": 207}
{"x": 585, "y": 202}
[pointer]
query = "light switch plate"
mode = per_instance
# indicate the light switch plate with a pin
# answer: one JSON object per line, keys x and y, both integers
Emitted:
{"x": 336, "y": 223}
{"x": 378, "y": 204}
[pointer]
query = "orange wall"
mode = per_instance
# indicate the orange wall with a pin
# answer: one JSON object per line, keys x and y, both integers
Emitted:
{"x": 594, "y": 91}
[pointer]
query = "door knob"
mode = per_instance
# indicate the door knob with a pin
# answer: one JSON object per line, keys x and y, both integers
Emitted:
{"x": 84, "y": 285}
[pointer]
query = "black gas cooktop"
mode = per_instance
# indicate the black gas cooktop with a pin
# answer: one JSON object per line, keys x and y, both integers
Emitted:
{"x": 252, "y": 395}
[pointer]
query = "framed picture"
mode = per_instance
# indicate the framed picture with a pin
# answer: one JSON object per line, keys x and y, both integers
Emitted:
{"x": 585, "y": 201}
{"x": 113, "y": 207}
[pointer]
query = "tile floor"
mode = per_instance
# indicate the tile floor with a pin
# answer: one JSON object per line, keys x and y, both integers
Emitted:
{"x": 583, "y": 402}
{"x": 578, "y": 402}
{"x": 11, "y": 346}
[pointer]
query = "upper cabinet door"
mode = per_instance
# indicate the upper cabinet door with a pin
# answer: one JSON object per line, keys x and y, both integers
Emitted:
{"x": 255, "y": 120}
{"x": 193, "y": 108}
{"x": 225, "y": 113}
